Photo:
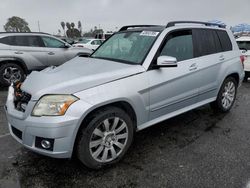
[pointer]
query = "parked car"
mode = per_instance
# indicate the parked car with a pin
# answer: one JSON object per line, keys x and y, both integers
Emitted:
{"x": 91, "y": 44}
{"x": 21, "y": 53}
{"x": 140, "y": 76}
{"x": 244, "y": 45}
{"x": 68, "y": 40}
{"x": 103, "y": 36}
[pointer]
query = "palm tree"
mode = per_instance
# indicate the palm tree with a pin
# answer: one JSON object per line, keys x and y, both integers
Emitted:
{"x": 63, "y": 26}
{"x": 68, "y": 32}
{"x": 80, "y": 27}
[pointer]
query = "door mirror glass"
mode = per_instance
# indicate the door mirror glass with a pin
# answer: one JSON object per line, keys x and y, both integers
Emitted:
{"x": 166, "y": 61}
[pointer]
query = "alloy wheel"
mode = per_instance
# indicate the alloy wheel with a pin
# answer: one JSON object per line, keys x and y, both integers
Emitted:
{"x": 12, "y": 74}
{"x": 228, "y": 95}
{"x": 108, "y": 139}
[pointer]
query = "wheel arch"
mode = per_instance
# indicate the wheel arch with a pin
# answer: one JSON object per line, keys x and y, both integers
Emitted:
{"x": 122, "y": 104}
{"x": 17, "y": 61}
{"x": 235, "y": 76}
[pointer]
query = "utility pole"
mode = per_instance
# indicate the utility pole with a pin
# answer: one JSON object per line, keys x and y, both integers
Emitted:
{"x": 38, "y": 26}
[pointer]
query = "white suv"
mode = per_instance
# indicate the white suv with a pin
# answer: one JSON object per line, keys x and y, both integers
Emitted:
{"x": 140, "y": 76}
{"x": 244, "y": 45}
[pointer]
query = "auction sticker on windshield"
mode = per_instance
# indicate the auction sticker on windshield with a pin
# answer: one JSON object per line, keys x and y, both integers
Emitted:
{"x": 149, "y": 33}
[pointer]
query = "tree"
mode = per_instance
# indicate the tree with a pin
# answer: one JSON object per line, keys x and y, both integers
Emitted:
{"x": 93, "y": 32}
{"x": 68, "y": 26}
{"x": 16, "y": 24}
{"x": 80, "y": 27}
{"x": 63, "y": 26}
{"x": 71, "y": 31}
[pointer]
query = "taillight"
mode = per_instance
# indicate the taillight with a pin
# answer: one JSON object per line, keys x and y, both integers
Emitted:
{"x": 242, "y": 59}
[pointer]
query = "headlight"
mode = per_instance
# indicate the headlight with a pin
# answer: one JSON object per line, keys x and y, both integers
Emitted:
{"x": 53, "y": 105}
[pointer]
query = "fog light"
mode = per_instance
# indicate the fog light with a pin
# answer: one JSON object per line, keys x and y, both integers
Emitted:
{"x": 45, "y": 144}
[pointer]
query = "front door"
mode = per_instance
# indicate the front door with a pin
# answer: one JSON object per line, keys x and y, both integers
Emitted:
{"x": 174, "y": 88}
{"x": 55, "y": 50}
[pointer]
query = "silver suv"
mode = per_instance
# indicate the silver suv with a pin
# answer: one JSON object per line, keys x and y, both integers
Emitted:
{"x": 140, "y": 76}
{"x": 20, "y": 53}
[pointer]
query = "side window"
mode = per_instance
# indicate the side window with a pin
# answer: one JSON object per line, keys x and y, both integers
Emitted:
{"x": 28, "y": 41}
{"x": 93, "y": 42}
{"x": 206, "y": 42}
{"x": 5, "y": 40}
{"x": 179, "y": 44}
{"x": 217, "y": 42}
{"x": 225, "y": 41}
{"x": 50, "y": 42}
{"x": 98, "y": 42}
{"x": 34, "y": 41}
{"x": 20, "y": 41}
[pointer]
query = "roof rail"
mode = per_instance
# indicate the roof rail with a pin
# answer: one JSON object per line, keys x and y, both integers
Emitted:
{"x": 124, "y": 28}
{"x": 171, "y": 24}
{"x": 25, "y": 33}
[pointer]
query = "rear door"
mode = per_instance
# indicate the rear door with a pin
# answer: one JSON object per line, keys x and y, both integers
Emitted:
{"x": 55, "y": 50}
{"x": 210, "y": 57}
{"x": 30, "y": 49}
{"x": 174, "y": 88}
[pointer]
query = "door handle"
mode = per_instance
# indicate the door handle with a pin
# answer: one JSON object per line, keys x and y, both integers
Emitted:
{"x": 193, "y": 67}
{"x": 222, "y": 58}
{"x": 18, "y": 52}
{"x": 51, "y": 53}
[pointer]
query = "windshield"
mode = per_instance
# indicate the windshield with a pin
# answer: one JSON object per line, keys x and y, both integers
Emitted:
{"x": 244, "y": 45}
{"x": 128, "y": 47}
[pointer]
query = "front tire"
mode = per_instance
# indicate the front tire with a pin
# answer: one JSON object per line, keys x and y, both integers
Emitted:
{"x": 106, "y": 138}
{"x": 226, "y": 96}
{"x": 11, "y": 72}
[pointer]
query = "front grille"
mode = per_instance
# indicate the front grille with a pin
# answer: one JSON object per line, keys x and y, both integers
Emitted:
{"x": 21, "y": 98}
{"x": 17, "y": 132}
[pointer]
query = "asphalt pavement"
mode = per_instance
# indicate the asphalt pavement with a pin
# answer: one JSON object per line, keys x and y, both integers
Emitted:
{"x": 196, "y": 149}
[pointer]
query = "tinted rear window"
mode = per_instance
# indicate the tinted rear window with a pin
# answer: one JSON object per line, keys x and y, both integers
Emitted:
{"x": 244, "y": 45}
{"x": 6, "y": 40}
{"x": 206, "y": 42}
{"x": 224, "y": 40}
{"x": 33, "y": 41}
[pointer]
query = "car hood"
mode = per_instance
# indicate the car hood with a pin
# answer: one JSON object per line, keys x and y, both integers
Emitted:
{"x": 76, "y": 75}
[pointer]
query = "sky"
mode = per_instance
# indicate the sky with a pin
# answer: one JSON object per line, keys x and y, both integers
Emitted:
{"x": 112, "y": 14}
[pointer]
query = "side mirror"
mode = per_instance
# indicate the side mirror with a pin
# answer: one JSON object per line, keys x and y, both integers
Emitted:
{"x": 67, "y": 45}
{"x": 166, "y": 61}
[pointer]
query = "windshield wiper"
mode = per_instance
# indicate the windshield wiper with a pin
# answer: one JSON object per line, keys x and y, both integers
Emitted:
{"x": 117, "y": 60}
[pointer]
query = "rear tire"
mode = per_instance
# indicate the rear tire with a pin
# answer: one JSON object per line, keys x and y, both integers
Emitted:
{"x": 11, "y": 72}
{"x": 105, "y": 138}
{"x": 226, "y": 96}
